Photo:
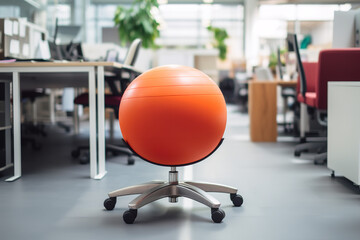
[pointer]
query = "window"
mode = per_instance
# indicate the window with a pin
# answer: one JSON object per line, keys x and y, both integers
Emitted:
{"x": 99, "y": 16}
{"x": 316, "y": 20}
{"x": 183, "y": 25}
{"x": 10, "y": 11}
{"x": 301, "y": 12}
{"x": 60, "y": 11}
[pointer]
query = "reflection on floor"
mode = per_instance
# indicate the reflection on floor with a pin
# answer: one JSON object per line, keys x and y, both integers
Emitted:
{"x": 283, "y": 198}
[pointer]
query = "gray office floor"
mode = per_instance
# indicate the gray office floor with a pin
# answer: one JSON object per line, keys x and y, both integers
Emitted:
{"x": 284, "y": 198}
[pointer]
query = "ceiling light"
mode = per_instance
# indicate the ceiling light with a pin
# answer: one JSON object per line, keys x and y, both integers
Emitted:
{"x": 345, "y": 7}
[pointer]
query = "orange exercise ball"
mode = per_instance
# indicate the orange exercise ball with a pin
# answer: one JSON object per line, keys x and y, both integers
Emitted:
{"x": 172, "y": 115}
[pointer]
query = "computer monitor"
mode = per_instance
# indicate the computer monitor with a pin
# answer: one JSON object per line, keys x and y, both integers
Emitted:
{"x": 63, "y": 47}
{"x": 290, "y": 43}
{"x": 67, "y": 34}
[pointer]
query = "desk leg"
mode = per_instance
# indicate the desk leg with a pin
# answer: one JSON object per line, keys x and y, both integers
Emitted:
{"x": 17, "y": 128}
{"x": 8, "y": 141}
{"x": 92, "y": 120}
{"x": 101, "y": 122}
{"x": 76, "y": 114}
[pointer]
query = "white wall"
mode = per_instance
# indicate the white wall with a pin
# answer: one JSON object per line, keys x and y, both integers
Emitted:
{"x": 322, "y": 33}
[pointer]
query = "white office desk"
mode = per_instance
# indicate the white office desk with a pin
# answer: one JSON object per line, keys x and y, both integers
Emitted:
{"x": 344, "y": 129}
{"x": 64, "y": 74}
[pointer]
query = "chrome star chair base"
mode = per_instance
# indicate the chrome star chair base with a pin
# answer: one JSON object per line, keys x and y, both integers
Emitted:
{"x": 155, "y": 190}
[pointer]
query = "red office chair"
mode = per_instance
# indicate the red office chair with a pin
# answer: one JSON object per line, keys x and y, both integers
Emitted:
{"x": 113, "y": 100}
{"x": 173, "y": 116}
{"x": 308, "y": 97}
{"x": 333, "y": 65}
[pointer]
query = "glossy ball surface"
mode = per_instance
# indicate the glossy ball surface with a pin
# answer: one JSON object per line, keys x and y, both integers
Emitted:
{"x": 173, "y": 115}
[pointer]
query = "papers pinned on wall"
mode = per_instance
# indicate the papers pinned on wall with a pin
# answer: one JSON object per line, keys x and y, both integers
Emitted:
{"x": 14, "y": 47}
{"x": 22, "y": 28}
{"x": 15, "y": 28}
{"x": 26, "y": 50}
{"x": 8, "y": 27}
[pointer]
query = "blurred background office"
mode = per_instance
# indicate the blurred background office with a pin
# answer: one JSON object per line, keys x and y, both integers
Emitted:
{"x": 255, "y": 28}
{"x": 246, "y": 46}
{"x": 232, "y": 41}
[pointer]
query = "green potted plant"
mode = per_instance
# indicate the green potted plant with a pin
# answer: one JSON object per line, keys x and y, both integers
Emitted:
{"x": 220, "y": 35}
{"x": 273, "y": 61}
{"x": 138, "y": 22}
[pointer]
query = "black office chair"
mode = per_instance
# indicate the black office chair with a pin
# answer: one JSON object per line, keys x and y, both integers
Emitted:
{"x": 307, "y": 96}
{"x": 287, "y": 93}
{"x": 124, "y": 76}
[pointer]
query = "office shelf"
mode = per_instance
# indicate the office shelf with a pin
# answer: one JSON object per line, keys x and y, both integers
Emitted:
{"x": 5, "y": 127}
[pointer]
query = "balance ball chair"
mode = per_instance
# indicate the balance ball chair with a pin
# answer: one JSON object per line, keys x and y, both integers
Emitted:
{"x": 173, "y": 116}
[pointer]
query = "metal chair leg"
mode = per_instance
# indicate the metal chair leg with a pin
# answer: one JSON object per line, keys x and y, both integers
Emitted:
{"x": 195, "y": 193}
{"x": 153, "y": 194}
{"x": 173, "y": 189}
{"x": 213, "y": 187}
{"x": 137, "y": 189}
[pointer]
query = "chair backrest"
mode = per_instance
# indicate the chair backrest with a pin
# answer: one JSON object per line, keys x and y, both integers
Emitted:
{"x": 132, "y": 52}
{"x": 112, "y": 55}
{"x": 263, "y": 73}
{"x": 336, "y": 65}
{"x": 311, "y": 74}
{"x": 303, "y": 86}
{"x": 129, "y": 60}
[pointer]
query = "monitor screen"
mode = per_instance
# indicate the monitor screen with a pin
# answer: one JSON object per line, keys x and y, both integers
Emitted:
{"x": 290, "y": 43}
{"x": 67, "y": 34}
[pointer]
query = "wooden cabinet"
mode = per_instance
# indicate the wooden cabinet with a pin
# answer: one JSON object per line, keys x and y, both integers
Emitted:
{"x": 262, "y": 111}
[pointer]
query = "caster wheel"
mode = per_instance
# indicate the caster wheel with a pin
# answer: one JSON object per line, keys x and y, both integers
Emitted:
{"x": 131, "y": 160}
{"x": 84, "y": 159}
{"x": 217, "y": 215}
{"x": 75, "y": 153}
{"x": 109, "y": 203}
{"x": 297, "y": 154}
{"x": 236, "y": 199}
{"x": 129, "y": 216}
